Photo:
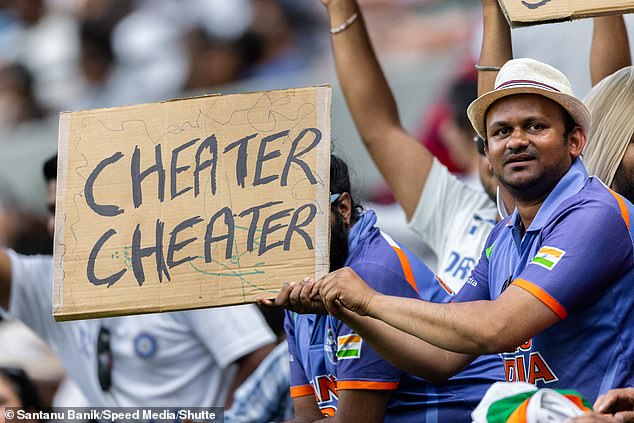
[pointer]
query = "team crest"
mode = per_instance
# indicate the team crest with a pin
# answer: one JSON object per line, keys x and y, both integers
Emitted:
{"x": 349, "y": 346}
{"x": 548, "y": 257}
{"x": 145, "y": 345}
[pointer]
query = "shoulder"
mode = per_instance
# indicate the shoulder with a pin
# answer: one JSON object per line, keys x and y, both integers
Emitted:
{"x": 594, "y": 206}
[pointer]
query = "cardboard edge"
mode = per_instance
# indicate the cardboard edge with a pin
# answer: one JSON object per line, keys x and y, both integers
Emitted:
{"x": 516, "y": 22}
{"x": 60, "y": 214}
{"x": 193, "y": 97}
{"x": 322, "y": 241}
{"x": 67, "y": 317}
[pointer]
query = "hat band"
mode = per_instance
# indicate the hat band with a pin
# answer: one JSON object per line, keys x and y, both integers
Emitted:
{"x": 525, "y": 83}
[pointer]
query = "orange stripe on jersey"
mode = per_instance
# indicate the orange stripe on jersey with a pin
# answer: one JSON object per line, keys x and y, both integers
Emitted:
{"x": 301, "y": 391}
{"x": 625, "y": 213}
{"x": 362, "y": 384}
{"x": 444, "y": 286}
{"x": 407, "y": 269}
{"x": 542, "y": 296}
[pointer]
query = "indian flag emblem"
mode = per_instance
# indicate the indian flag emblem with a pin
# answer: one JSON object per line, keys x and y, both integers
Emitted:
{"x": 548, "y": 257}
{"x": 349, "y": 346}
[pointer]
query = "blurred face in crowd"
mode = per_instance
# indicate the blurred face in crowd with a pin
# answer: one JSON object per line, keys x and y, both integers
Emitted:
{"x": 459, "y": 144}
{"x": 527, "y": 145}
{"x": 51, "y": 187}
{"x": 487, "y": 178}
{"x": 623, "y": 181}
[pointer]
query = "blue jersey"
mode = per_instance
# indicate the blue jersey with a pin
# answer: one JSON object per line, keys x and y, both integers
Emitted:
{"x": 327, "y": 356}
{"x": 577, "y": 257}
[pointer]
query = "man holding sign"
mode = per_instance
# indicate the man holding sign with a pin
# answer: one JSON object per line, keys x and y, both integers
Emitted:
{"x": 552, "y": 288}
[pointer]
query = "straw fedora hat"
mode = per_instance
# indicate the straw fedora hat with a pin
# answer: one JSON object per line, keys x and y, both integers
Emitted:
{"x": 528, "y": 76}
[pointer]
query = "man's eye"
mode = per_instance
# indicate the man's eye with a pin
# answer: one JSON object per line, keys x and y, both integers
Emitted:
{"x": 536, "y": 127}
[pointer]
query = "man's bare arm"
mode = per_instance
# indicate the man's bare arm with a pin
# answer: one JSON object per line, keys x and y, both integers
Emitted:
{"x": 496, "y": 44}
{"x": 306, "y": 410}
{"x": 477, "y": 327}
{"x": 5, "y": 279}
{"x": 360, "y": 406}
{"x": 610, "y": 49}
{"x": 246, "y": 365}
{"x": 403, "y": 162}
{"x": 401, "y": 349}
{"x": 405, "y": 351}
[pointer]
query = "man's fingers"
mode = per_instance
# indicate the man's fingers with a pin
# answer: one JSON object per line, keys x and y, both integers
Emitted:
{"x": 294, "y": 299}
{"x": 282, "y": 297}
{"x": 625, "y": 416}
{"x": 616, "y": 400}
{"x": 265, "y": 303}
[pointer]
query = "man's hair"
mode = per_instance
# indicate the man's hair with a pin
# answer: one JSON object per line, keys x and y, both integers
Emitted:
{"x": 340, "y": 183}
{"x": 569, "y": 124}
{"x": 50, "y": 169}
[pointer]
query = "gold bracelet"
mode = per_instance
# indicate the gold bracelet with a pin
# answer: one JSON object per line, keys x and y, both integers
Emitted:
{"x": 487, "y": 68}
{"x": 345, "y": 25}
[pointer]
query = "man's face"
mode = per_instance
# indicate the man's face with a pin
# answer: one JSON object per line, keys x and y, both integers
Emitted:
{"x": 623, "y": 182}
{"x": 50, "y": 204}
{"x": 526, "y": 144}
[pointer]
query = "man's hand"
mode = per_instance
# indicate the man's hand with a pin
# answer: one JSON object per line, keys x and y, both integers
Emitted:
{"x": 619, "y": 402}
{"x": 299, "y": 297}
{"x": 344, "y": 288}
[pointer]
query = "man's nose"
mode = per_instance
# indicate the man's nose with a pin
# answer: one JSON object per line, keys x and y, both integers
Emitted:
{"x": 517, "y": 140}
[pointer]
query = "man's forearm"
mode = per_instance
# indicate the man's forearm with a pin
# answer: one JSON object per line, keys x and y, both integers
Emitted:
{"x": 367, "y": 93}
{"x": 475, "y": 327}
{"x": 496, "y": 45}
{"x": 405, "y": 351}
{"x": 610, "y": 49}
{"x": 451, "y": 327}
{"x": 5, "y": 280}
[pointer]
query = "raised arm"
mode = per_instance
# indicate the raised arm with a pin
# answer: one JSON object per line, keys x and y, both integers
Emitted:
{"x": 403, "y": 162}
{"x": 496, "y": 45}
{"x": 610, "y": 49}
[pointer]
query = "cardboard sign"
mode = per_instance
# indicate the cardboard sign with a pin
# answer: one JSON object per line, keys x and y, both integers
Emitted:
{"x": 191, "y": 203}
{"x": 534, "y": 12}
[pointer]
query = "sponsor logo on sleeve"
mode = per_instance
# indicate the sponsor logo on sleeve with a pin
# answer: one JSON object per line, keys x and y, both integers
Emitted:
{"x": 548, "y": 257}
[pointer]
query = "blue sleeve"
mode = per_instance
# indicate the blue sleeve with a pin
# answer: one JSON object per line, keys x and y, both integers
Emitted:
{"x": 299, "y": 382}
{"x": 581, "y": 254}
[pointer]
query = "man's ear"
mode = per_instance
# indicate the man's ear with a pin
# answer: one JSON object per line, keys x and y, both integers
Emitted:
{"x": 576, "y": 142}
{"x": 344, "y": 207}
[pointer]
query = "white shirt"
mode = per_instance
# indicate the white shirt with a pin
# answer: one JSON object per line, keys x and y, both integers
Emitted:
{"x": 454, "y": 219}
{"x": 167, "y": 359}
